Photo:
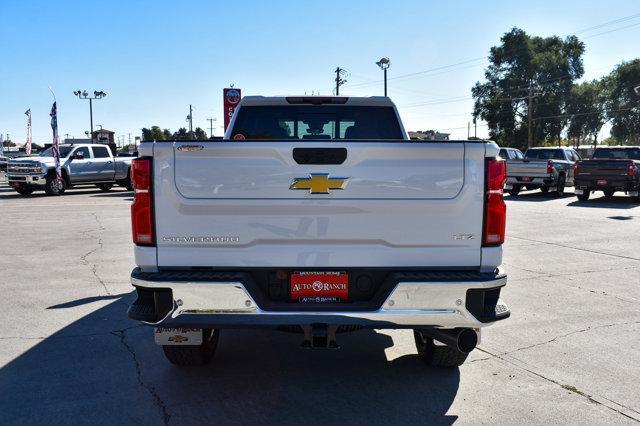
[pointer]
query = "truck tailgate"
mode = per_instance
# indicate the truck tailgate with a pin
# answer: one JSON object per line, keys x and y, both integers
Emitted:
{"x": 230, "y": 204}
{"x": 597, "y": 168}
{"x": 527, "y": 168}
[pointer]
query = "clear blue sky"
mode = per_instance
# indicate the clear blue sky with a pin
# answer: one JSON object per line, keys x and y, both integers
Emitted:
{"x": 154, "y": 58}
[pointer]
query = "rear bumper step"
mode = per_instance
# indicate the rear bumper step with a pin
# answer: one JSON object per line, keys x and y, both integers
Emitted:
{"x": 208, "y": 299}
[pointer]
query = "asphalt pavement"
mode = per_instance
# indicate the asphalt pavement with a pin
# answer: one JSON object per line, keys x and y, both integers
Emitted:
{"x": 570, "y": 353}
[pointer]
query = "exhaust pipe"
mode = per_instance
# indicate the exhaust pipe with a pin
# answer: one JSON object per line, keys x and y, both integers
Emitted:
{"x": 461, "y": 339}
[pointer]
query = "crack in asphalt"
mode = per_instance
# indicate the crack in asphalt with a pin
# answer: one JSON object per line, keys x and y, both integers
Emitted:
{"x": 570, "y": 388}
{"x": 94, "y": 266}
{"x": 543, "y": 276}
{"x": 70, "y": 336}
{"x": 166, "y": 417}
{"x": 561, "y": 336}
{"x": 577, "y": 248}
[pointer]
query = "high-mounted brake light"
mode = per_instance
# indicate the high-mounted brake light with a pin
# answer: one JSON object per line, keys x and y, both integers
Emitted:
{"x": 316, "y": 100}
{"x": 495, "y": 210}
{"x": 550, "y": 167}
{"x": 631, "y": 171}
{"x": 142, "y": 207}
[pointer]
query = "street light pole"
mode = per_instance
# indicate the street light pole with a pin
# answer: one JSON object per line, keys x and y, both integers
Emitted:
{"x": 83, "y": 94}
{"x": 384, "y": 64}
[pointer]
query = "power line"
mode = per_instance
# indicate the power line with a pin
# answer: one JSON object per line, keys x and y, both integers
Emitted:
{"x": 611, "y": 31}
{"x": 615, "y": 21}
{"x": 447, "y": 67}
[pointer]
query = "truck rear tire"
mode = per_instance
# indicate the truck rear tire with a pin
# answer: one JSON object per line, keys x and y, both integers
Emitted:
{"x": 53, "y": 188}
{"x": 23, "y": 189}
{"x": 515, "y": 190}
{"x": 104, "y": 186}
{"x": 437, "y": 355}
{"x": 584, "y": 196}
{"x": 126, "y": 182}
{"x": 188, "y": 355}
{"x": 562, "y": 181}
{"x": 544, "y": 189}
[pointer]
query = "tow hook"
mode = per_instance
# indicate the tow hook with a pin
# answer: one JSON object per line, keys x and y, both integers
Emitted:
{"x": 319, "y": 336}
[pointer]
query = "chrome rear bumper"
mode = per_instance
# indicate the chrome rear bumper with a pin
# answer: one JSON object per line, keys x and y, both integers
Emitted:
{"x": 218, "y": 304}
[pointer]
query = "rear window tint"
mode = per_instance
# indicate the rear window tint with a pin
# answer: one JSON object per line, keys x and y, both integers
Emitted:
{"x": 617, "y": 153}
{"x": 544, "y": 154}
{"x": 316, "y": 122}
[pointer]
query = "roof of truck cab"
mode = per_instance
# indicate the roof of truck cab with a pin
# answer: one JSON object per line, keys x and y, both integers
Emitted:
{"x": 282, "y": 100}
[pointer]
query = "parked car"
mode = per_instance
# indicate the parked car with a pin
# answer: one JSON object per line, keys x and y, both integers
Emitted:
{"x": 318, "y": 214}
{"x": 547, "y": 169}
{"x": 511, "y": 154}
{"x": 83, "y": 164}
{"x": 611, "y": 169}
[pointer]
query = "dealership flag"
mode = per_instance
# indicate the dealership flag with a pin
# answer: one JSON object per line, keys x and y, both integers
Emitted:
{"x": 55, "y": 146}
{"x": 27, "y": 145}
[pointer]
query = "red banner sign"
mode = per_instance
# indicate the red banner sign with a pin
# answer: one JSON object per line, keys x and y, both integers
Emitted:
{"x": 231, "y": 99}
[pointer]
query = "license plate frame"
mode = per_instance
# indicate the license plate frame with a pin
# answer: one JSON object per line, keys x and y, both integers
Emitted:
{"x": 164, "y": 336}
{"x": 317, "y": 287}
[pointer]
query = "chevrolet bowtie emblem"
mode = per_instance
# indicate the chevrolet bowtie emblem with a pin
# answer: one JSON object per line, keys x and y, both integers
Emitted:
{"x": 319, "y": 183}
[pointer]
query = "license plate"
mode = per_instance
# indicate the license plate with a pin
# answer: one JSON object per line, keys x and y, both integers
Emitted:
{"x": 178, "y": 336}
{"x": 319, "y": 287}
{"x": 526, "y": 179}
{"x": 601, "y": 182}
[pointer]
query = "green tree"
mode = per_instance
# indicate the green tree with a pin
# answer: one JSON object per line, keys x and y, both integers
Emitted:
{"x": 200, "y": 134}
{"x": 586, "y": 110}
{"x": 181, "y": 134}
{"x": 8, "y": 142}
{"x": 154, "y": 133}
{"x": 623, "y": 107}
{"x": 521, "y": 68}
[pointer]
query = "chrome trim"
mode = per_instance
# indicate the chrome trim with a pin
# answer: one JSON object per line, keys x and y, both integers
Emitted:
{"x": 410, "y": 303}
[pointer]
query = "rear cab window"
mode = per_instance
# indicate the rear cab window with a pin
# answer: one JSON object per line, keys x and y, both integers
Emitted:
{"x": 544, "y": 154}
{"x": 316, "y": 122}
{"x": 617, "y": 153}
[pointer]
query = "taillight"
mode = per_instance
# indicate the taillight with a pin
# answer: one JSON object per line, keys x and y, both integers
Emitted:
{"x": 142, "y": 208}
{"x": 576, "y": 169}
{"x": 495, "y": 210}
{"x": 549, "y": 167}
{"x": 631, "y": 171}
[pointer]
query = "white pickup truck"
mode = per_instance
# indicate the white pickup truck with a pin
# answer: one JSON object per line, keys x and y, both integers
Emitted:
{"x": 318, "y": 215}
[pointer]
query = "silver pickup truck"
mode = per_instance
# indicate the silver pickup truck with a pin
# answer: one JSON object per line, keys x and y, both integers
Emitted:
{"x": 547, "y": 169}
{"x": 86, "y": 164}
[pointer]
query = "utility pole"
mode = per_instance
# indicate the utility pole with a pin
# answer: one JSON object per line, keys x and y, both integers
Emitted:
{"x": 129, "y": 138}
{"x": 530, "y": 114}
{"x": 211, "y": 120}
{"x": 475, "y": 128}
{"x": 190, "y": 118}
{"x": 468, "y": 130}
{"x": 340, "y": 72}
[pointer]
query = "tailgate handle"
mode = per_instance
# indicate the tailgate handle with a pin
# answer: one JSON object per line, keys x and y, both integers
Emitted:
{"x": 319, "y": 155}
